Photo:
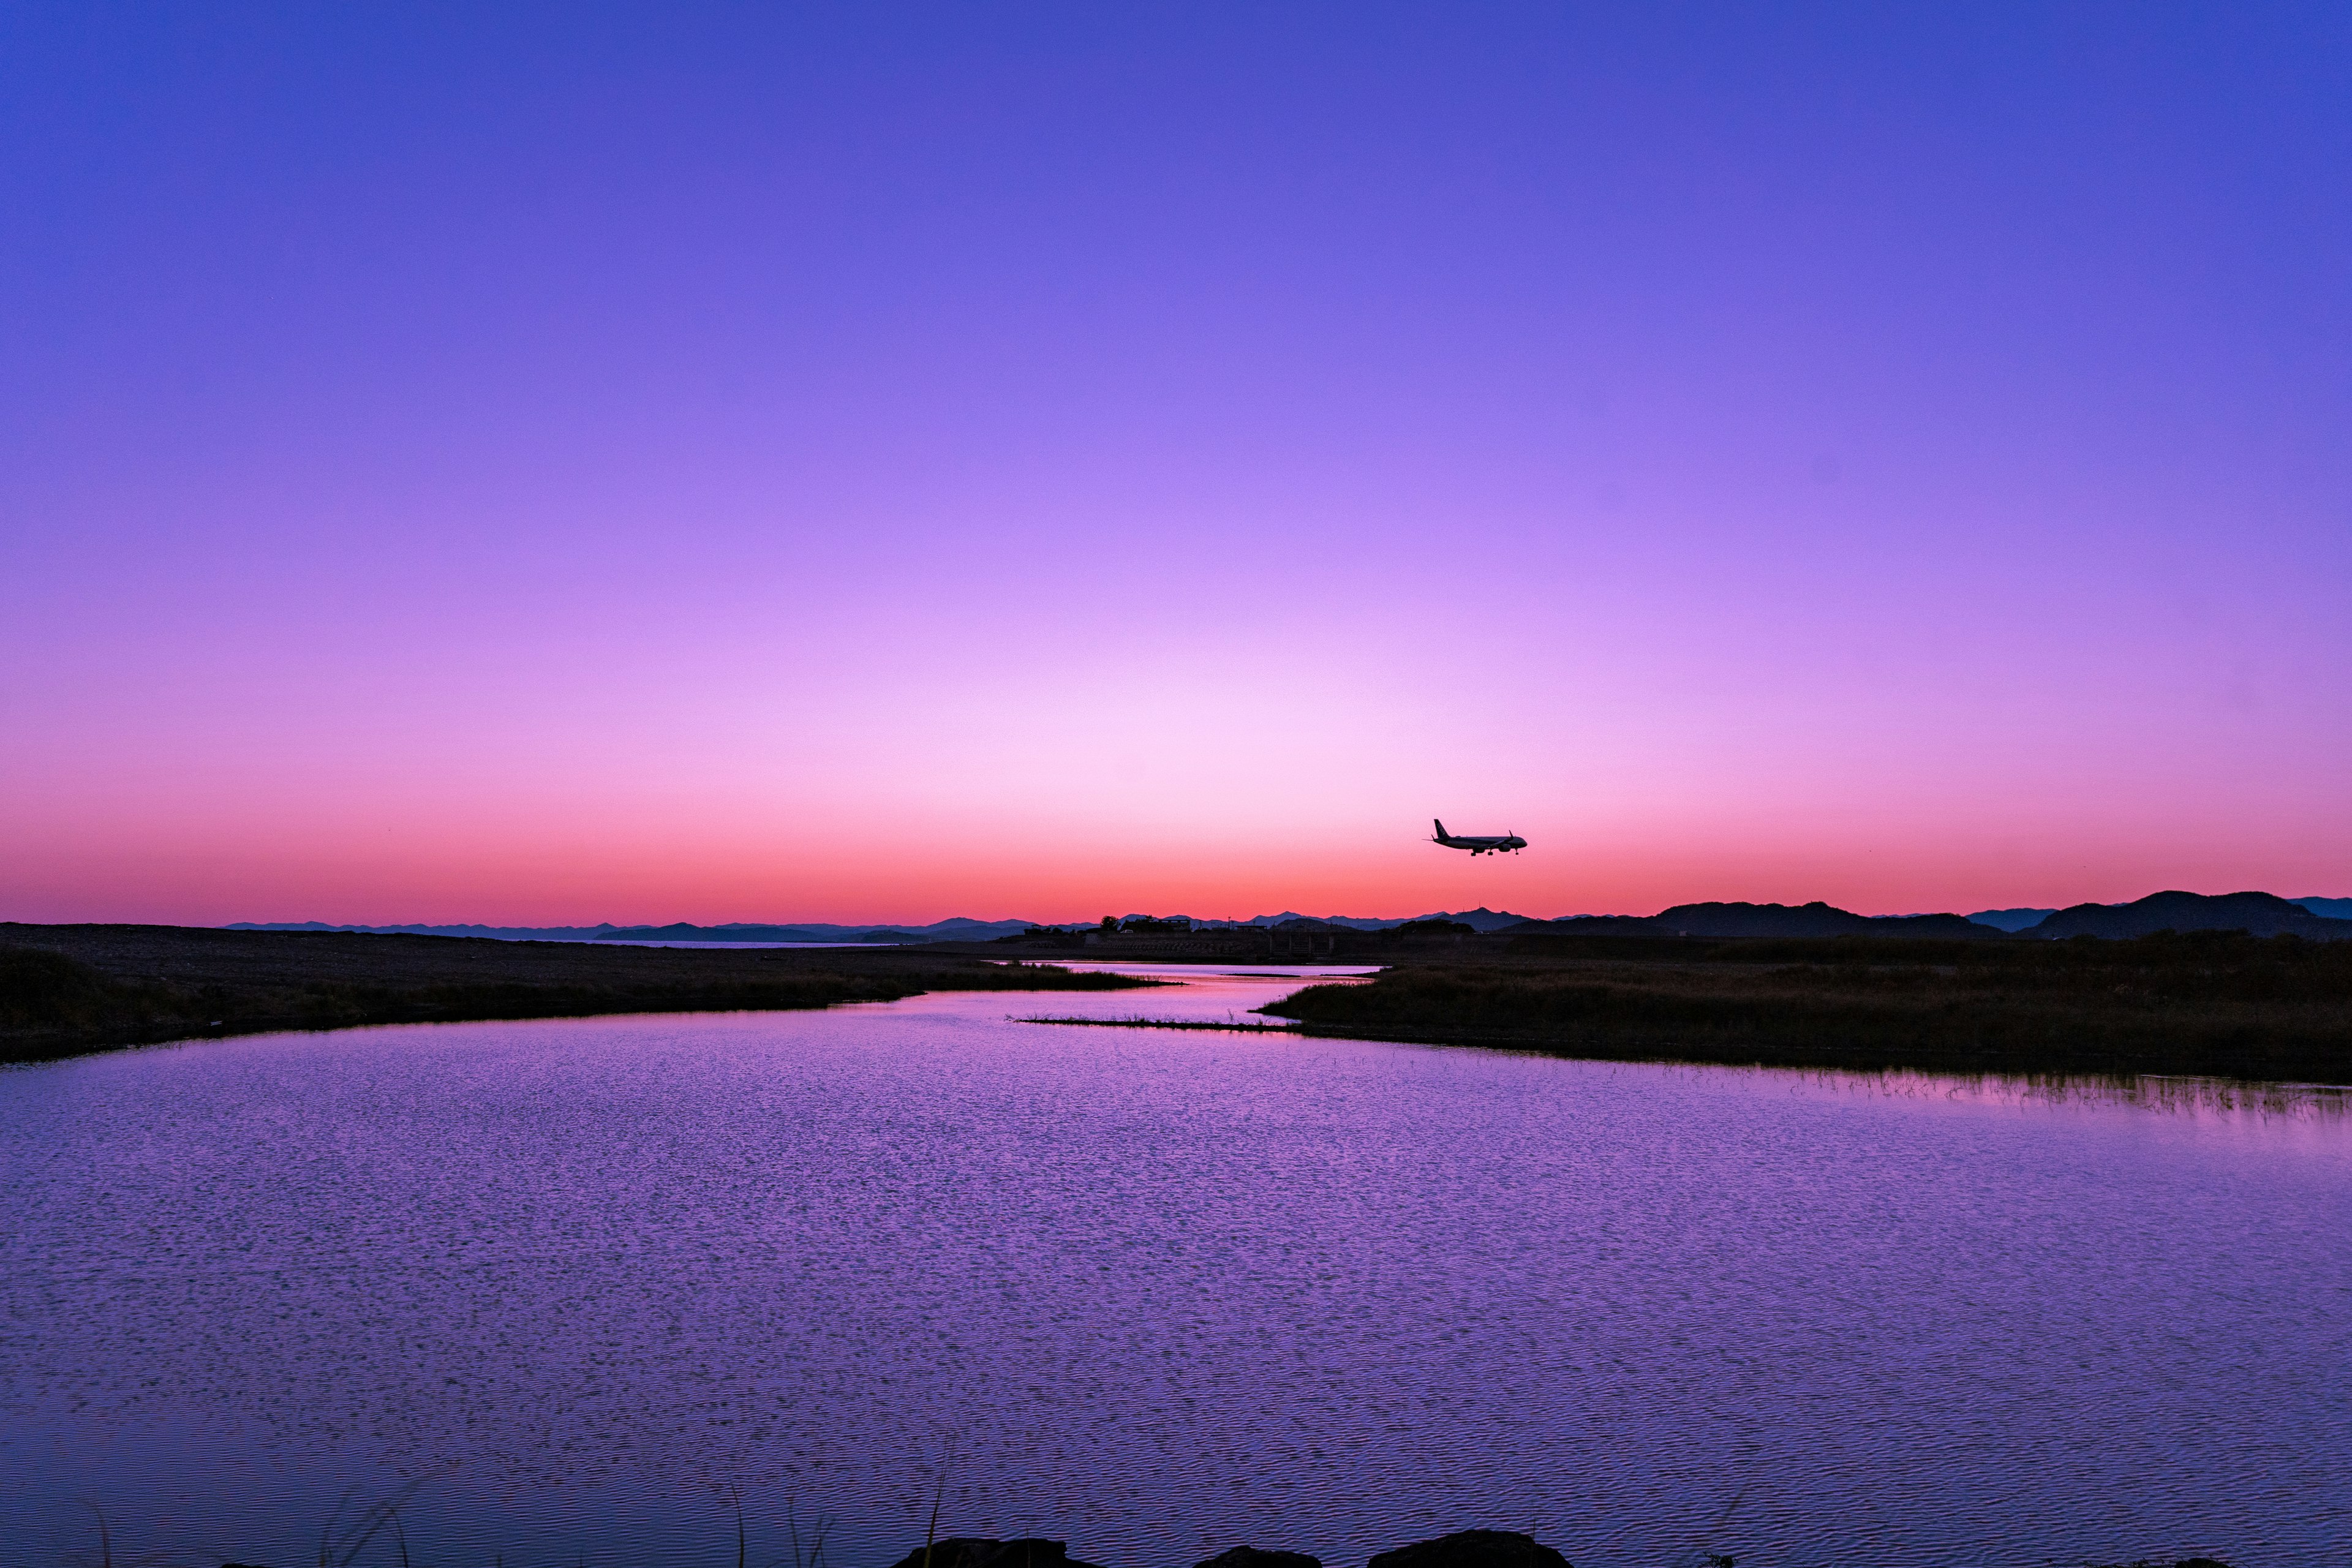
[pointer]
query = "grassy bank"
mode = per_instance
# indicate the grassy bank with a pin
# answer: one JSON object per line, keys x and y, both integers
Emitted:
{"x": 67, "y": 990}
{"x": 2220, "y": 1003}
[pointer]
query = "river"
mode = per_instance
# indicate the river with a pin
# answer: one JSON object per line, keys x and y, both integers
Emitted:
{"x": 558, "y": 1287}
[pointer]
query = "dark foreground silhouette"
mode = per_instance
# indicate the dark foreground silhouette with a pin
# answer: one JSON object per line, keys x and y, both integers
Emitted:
{"x": 2208, "y": 1003}
{"x": 66, "y": 990}
{"x": 1464, "y": 1549}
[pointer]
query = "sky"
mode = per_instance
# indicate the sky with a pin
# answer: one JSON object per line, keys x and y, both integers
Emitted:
{"x": 544, "y": 464}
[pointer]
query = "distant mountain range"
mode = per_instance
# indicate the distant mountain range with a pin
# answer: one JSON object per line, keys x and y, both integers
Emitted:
{"x": 1480, "y": 919}
{"x": 2264, "y": 914}
{"x": 499, "y": 933}
{"x": 2020, "y": 920}
{"x": 961, "y": 930}
{"x": 2011, "y": 919}
{"x": 1732, "y": 920}
{"x": 2259, "y": 914}
{"x": 956, "y": 929}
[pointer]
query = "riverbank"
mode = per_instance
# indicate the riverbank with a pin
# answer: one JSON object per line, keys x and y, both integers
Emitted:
{"x": 2208, "y": 1003}
{"x": 67, "y": 990}
{"x": 1462, "y": 1549}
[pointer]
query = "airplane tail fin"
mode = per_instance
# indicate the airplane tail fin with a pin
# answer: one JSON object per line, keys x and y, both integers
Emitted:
{"x": 1439, "y": 825}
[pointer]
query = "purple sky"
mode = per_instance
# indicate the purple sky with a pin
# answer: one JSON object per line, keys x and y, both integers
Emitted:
{"x": 880, "y": 463}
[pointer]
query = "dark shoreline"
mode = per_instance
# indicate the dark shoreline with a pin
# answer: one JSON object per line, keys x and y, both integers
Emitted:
{"x": 2206, "y": 1004}
{"x": 1462, "y": 1549}
{"x": 69, "y": 990}
{"x": 2212, "y": 1005}
{"x": 1476, "y": 1548}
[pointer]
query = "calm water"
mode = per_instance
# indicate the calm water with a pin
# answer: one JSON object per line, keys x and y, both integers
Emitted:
{"x": 1157, "y": 1292}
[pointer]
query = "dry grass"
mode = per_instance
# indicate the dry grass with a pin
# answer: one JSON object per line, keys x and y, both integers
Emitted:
{"x": 66, "y": 990}
{"x": 2217, "y": 1004}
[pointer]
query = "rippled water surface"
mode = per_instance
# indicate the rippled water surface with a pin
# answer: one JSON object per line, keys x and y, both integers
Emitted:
{"x": 1157, "y": 1292}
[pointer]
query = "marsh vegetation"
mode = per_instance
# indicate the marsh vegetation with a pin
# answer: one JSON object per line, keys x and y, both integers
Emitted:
{"x": 2213, "y": 1002}
{"x": 66, "y": 990}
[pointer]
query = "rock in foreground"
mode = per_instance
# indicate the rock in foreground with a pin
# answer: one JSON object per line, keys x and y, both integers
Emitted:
{"x": 1474, "y": 1548}
{"x": 1251, "y": 1557}
{"x": 978, "y": 1552}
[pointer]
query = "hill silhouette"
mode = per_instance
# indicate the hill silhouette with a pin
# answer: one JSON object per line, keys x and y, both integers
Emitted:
{"x": 959, "y": 929}
{"x": 1736, "y": 921}
{"x": 2257, "y": 914}
{"x": 496, "y": 934}
{"x": 1816, "y": 918}
{"x": 2011, "y": 920}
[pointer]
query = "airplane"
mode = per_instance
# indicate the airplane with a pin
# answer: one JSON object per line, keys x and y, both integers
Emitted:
{"x": 1511, "y": 842}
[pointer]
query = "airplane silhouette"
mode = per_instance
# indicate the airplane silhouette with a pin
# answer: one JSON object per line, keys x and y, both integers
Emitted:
{"x": 1510, "y": 842}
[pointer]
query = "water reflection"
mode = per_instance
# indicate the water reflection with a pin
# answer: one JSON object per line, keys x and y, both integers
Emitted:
{"x": 1159, "y": 1294}
{"x": 2314, "y": 1104}
{"x": 1217, "y": 993}
{"x": 2321, "y": 1104}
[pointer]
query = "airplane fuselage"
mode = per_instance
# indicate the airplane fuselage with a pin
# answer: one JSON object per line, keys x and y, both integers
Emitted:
{"x": 1499, "y": 844}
